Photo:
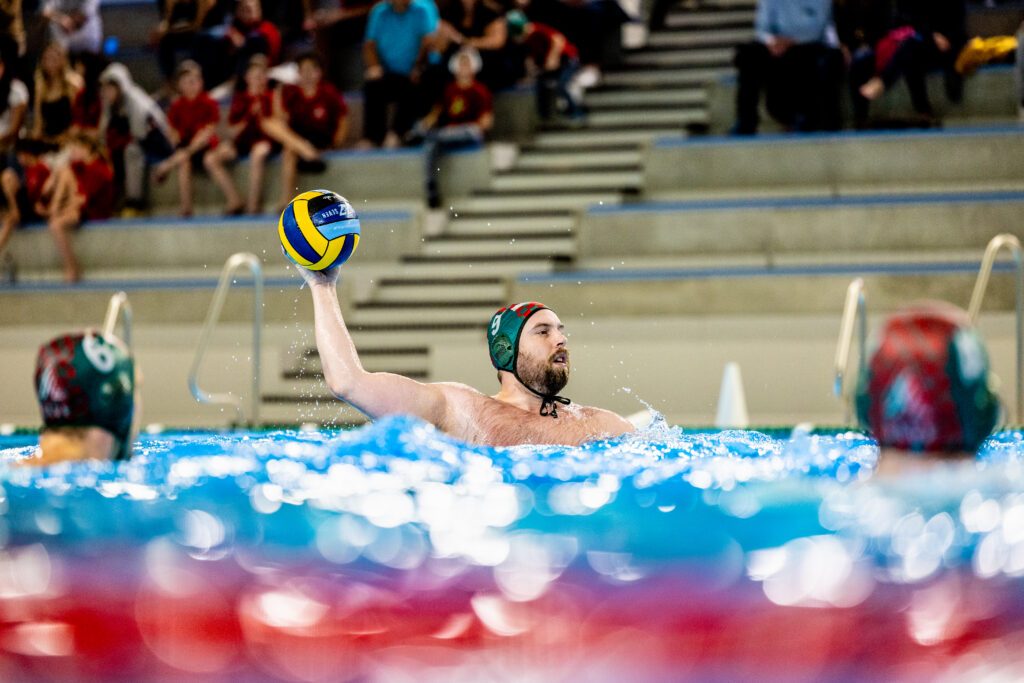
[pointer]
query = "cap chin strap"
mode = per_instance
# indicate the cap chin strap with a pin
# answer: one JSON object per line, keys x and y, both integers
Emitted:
{"x": 548, "y": 403}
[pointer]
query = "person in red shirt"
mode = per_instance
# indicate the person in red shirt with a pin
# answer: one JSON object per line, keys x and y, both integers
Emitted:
{"x": 193, "y": 116}
{"x": 554, "y": 61}
{"x": 311, "y": 116}
{"x": 249, "y": 107}
{"x": 460, "y": 120}
{"x": 27, "y": 186}
{"x": 82, "y": 191}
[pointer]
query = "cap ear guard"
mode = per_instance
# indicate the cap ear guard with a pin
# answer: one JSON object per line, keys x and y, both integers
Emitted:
{"x": 505, "y": 330}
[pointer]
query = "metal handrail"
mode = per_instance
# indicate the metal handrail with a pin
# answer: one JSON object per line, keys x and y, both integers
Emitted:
{"x": 119, "y": 307}
{"x": 236, "y": 261}
{"x": 854, "y": 310}
{"x": 997, "y": 244}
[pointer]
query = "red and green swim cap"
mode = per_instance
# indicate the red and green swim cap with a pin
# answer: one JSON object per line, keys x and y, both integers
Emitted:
{"x": 504, "y": 331}
{"x": 88, "y": 380}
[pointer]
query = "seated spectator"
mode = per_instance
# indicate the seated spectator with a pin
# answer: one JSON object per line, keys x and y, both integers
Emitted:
{"x": 310, "y": 116}
{"x": 552, "y": 59}
{"x": 135, "y": 131}
{"x": 250, "y": 106}
{"x": 181, "y": 21}
{"x": 860, "y": 25}
{"x": 295, "y": 20}
{"x": 924, "y": 36}
{"x": 75, "y": 24}
{"x": 56, "y": 87}
{"x": 339, "y": 27}
{"x": 593, "y": 26}
{"x": 480, "y": 24}
{"x": 86, "y": 107}
{"x": 193, "y": 116}
{"x": 13, "y": 107}
{"x": 82, "y": 191}
{"x": 223, "y": 57}
{"x": 796, "y": 62}
{"x": 397, "y": 41}
{"x": 461, "y": 120}
{"x": 27, "y": 187}
{"x": 86, "y": 385}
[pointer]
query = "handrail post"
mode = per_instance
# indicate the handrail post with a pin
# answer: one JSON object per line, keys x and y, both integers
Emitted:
{"x": 119, "y": 307}
{"x": 997, "y": 244}
{"x": 854, "y": 312}
{"x": 234, "y": 263}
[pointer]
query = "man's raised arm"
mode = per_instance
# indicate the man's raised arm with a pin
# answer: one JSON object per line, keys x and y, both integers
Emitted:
{"x": 375, "y": 394}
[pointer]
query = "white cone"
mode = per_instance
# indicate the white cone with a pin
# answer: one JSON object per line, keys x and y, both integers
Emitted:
{"x": 732, "y": 402}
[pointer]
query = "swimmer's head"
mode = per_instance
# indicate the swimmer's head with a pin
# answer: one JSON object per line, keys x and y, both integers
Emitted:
{"x": 528, "y": 340}
{"x": 87, "y": 380}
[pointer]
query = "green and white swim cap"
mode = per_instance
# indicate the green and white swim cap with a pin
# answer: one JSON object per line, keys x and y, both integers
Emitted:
{"x": 505, "y": 330}
{"x": 88, "y": 380}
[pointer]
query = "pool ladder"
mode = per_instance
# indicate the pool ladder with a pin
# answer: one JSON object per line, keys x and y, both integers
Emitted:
{"x": 119, "y": 308}
{"x": 233, "y": 264}
{"x": 855, "y": 311}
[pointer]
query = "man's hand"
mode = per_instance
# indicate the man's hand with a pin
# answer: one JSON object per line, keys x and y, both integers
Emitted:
{"x": 374, "y": 72}
{"x": 316, "y": 278}
{"x": 779, "y": 45}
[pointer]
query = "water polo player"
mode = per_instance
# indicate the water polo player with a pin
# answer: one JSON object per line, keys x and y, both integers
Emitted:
{"x": 528, "y": 348}
{"x": 85, "y": 384}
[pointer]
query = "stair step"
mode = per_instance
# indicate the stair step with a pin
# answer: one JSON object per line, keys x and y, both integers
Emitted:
{"x": 441, "y": 291}
{"x": 522, "y": 226}
{"x": 522, "y": 262}
{"x": 309, "y": 371}
{"x": 665, "y": 77}
{"x": 513, "y": 203}
{"x": 705, "y": 36}
{"x": 426, "y": 315}
{"x": 597, "y": 139}
{"x": 535, "y": 162}
{"x": 503, "y": 246}
{"x": 654, "y": 118}
{"x": 708, "y": 20}
{"x": 638, "y": 98}
{"x": 415, "y": 268}
{"x": 658, "y": 59}
{"x": 587, "y": 181}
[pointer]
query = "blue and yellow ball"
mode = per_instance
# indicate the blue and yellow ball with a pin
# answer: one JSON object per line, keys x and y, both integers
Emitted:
{"x": 319, "y": 229}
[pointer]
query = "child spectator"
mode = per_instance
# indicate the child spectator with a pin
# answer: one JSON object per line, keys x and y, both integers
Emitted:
{"x": 397, "y": 41}
{"x": 82, "y": 191}
{"x": 26, "y": 187}
{"x": 553, "y": 59}
{"x": 134, "y": 129}
{"x": 250, "y": 106}
{"x": 181, "y": 22}
{"x": 57, "y": 86}
{"x": 461, "y": 120}
{"x": 317, "y": 120}
{"x": 193, "y": 116}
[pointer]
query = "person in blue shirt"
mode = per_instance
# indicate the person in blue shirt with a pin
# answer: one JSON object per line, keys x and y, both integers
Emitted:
{"x": 398, "y": 41}
{"x": 796, "y": 62}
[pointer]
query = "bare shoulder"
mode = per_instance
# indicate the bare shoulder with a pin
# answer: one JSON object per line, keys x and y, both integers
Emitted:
{"x": 607, "y": 421}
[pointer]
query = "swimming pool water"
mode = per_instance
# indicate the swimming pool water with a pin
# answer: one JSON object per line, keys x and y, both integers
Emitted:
{"x": 393, "y": 552}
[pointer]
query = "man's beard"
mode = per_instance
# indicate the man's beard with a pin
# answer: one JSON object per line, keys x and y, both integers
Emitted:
{"x": 545, "y": 377}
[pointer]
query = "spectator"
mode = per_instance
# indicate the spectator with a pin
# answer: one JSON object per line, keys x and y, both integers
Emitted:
{"x": 86, "y": 108}
{"x": 924, "y": 36}
{"x": 134, "y": 129}
{"x": 860, "y": 25}
{"x": 247, "y": 34}
{"x": 397, "y": 41}
{"x": 339, "y": 29}
{"x": 13, "y": 107}
{"x": 295, "y": 20}
{"x": 12, "y": 32}
{"x": 26, "y": 187}
{"x": 796, "y": 62}
{"x": 1020, "y": 73}
{"x": 310, "y": 116}
{"x": 250, "y": 106}
{"x": 82, "y": 191}
{"x": 57, "y": 85}
{"x": 480, "y": 25}
{"x": 462, "y": 119}
{"x": 75, "y": 24}
{"x": 182, "y": 21}
{"x": 193, "y": 116}
{"x": 593, "y": 26}
{"x": 554, "y": 61}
